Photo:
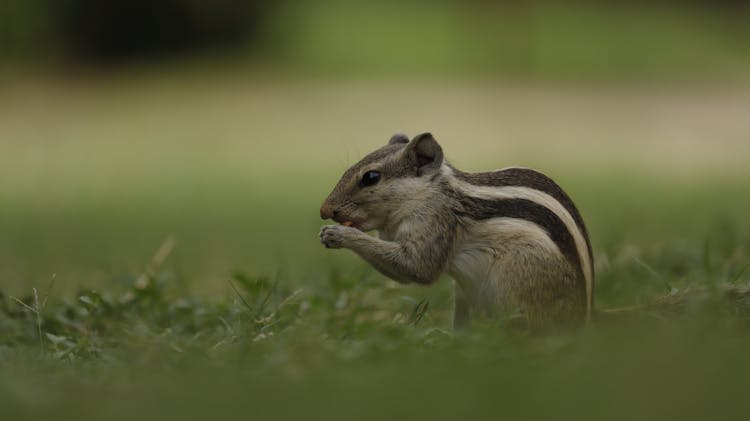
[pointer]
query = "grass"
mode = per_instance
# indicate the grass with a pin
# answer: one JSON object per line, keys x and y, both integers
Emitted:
{"x": 351, "y": 345}
{"x": 245, "y": 315}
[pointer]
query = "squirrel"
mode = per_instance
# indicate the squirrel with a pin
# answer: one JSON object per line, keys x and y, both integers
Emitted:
{"x": 512, "y": 239}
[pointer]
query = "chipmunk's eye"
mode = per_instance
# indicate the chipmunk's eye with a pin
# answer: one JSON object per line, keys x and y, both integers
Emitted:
{"x": 370, "y": 178}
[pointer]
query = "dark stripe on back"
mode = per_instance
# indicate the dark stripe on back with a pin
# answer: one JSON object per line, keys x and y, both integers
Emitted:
{"x": 525, "y": 177}
{"x": 481, "y": 209}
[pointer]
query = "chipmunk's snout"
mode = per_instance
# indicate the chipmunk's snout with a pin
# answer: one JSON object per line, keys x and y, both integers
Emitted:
{"x": 327, "y": 212}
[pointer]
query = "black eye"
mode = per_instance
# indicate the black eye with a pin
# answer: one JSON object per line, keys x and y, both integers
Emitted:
{"x": 370, "y": 178}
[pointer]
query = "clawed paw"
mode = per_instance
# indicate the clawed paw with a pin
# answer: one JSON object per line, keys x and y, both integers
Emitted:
{"x": 332, "y": 236}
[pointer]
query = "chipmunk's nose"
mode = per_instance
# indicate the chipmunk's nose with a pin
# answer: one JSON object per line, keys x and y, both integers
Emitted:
{"x": 327, "y": 212}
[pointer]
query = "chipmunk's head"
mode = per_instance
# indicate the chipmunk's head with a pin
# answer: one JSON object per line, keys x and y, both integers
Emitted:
{"x": 386, "y": 184}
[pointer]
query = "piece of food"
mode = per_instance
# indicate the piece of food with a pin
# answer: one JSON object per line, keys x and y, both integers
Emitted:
{"x": 347, "y": 223}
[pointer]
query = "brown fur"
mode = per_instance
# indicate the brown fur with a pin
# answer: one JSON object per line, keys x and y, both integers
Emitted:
{"x": 505, "y": 254}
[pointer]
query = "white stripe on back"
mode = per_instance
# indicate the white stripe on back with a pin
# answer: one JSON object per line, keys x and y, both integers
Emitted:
{"x": 540, "y": 198}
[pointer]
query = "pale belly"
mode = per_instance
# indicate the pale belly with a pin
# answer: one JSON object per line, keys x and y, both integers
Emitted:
{"x": 506, "y": 264}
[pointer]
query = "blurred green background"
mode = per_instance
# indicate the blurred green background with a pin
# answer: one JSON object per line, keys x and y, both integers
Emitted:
{"x": 223, "y": 125}
{"x": 523, "y": 39}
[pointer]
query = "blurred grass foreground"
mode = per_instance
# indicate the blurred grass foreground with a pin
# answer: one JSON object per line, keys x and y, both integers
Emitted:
{"x": 162, "y": 164}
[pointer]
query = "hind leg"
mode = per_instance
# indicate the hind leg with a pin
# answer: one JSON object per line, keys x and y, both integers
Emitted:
{"x": 545, "y": 287}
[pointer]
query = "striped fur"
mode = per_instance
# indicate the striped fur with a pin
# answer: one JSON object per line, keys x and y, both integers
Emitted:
{"x": 504, "y": 188}
{"x": 511, "y": 238}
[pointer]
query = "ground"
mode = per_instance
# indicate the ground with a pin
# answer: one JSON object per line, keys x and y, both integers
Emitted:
{"x": 161, "y": 235}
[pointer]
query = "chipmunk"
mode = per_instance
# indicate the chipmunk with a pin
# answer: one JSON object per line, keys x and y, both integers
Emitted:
{"x": 512, "y": 239}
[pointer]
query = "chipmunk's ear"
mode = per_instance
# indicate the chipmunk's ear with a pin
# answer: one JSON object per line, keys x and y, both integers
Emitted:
{"x": 398, "y": 138}
{"x": 425, "y": 153}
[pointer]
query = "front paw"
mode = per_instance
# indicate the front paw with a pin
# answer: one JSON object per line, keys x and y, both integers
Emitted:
{"x": 334, "y": 236}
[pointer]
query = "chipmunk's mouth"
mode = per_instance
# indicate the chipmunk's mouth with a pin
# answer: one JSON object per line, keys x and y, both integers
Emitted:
{"x": 351, "y": 224}
{"x": 356, "y": 225}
